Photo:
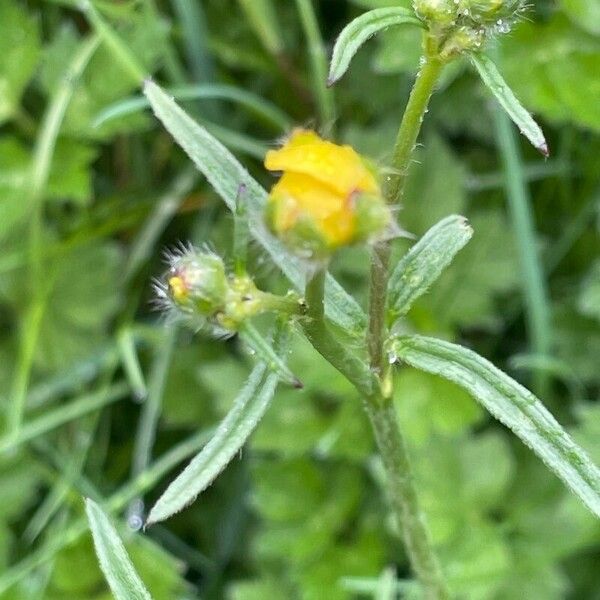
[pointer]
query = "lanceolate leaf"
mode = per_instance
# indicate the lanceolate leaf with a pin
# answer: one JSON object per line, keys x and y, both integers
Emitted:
{"x": 230, "y": 180}
{"x": 425, "y": 262}
{"x": 247, "y": 410}
{"x": 266, "y": 353}
{"x": 357, "y": 32}
{"x": 521, "y": 117}
{"x": 510, "y": 403}
{"x": 116, "y": 565}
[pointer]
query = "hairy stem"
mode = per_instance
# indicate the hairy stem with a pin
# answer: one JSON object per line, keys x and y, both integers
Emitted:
{"x": 403, "y": 498}
{"x": 380, "y": 407}
{"x": 319, "y": 335}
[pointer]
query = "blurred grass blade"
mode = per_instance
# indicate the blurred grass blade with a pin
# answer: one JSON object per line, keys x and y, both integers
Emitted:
{"x": 533, "y": 282}
{"x": 515, "y": 110}
{"x": 226, "y": 175}
{"x": 425, "y": 262}
{"x": 115, "y": 563}
{"x": 247, "y": 410}
{"x": 262, "y": 18}
{"x": 358, "y": 31}
{"x": 511, "y": 404}
{"x": 63, "y": 414}
{"x": 265, "y": 352}
{"x": 131, "y": 363}
{"x": 132, "y": 489}
{"x": 260, "y": 107}
{"x": 318, "y": 62}
{"x": 119, "y": 49}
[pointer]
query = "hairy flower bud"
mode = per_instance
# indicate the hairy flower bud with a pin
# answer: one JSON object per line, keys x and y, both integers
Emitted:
{"x": 458, "y": 26}
{"x": 327, "y": 196}
{"x": 198, "y": 289}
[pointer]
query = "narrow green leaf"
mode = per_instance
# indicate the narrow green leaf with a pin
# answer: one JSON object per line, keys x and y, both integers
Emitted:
{"x": 358, "y": 31}
{"x": 511, "y": 404}
{"x": 523, "y": 120}
{"x": 231, "y": 181}
{"x": 63, "y": 414}
{"x": 247, "y": 410}
{"x": 116, "y": 565}
{"x": 425, "y": 262}
{"x": 266, "y": 353}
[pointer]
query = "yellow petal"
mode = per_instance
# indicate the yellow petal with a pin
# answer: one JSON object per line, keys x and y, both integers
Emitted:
{"x": 338, "y": 167}
{"x": 299, "y": 195}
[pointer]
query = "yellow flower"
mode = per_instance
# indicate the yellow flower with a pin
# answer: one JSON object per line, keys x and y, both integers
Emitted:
{"x": 327, "y": 196}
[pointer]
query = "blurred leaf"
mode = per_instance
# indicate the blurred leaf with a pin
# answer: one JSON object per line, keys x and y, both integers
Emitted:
{"x": 15, "y": 162}
{"x": 19, "y": 51}
{"x": 511, "y": 404}
{"x": 589, "y": 295}
{"x": 561, "y": 61}
{"x": 429, "y": 406}
{"x": 124, "y": 582}
{"x": 71, "y": 177}
{"x": 361, "y": 29}
{"x": 85, "y": 296}
{"x": 586, "y": 13}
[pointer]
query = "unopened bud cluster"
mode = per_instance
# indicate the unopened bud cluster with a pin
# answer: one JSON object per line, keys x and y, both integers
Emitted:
{"x": 198, "y": 288}
{"x": 458, "y": 26}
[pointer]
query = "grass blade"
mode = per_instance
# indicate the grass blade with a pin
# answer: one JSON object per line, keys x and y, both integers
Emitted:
{"x": 511, "y": 404}
{"x": 425, "y": 261}
{"x": 63, "y": 414}
{"x": 523, "y": 120}
{"x": 266, "y": 353}
{"x": 262, "y": 108}
{"x": 318, "y": 62}
{"x": 247, "y": 410}
{"x": 361, "y": 29}
{"x": 533, "y": 282}
{"x": 115, "y": 563}
{"x": 227, "y": 176}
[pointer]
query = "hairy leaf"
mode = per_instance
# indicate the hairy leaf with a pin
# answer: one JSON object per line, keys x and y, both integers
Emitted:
{"x": 425, "y": 262}
{"x": 357, "y": 32}
{"x": 116, "y": 565}
{"x": 247, "y": 410}
{"x": 505, "y": 96}
{"x": 510, "y": 403}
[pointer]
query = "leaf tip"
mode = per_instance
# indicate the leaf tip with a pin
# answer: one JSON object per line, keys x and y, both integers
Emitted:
{"x": 543, "y": 148}
{"x": 331, "y": 80}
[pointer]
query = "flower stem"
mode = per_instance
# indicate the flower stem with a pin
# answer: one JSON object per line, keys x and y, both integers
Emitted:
{"x": 319, "y": 335}
{"x": 403, "y": 498}
{"x": 380, "y": 407}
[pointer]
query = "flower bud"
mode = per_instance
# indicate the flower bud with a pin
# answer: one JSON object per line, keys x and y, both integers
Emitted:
{"x": 458, "y": 26}
{"x": 327, "y": 196}
{"x": 197, "y": 281}
{"x": 198, "y": 289}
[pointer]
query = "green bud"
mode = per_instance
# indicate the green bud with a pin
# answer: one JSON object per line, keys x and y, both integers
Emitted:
{"x": 197, "y": 281}
{"x": 197, "y": 288}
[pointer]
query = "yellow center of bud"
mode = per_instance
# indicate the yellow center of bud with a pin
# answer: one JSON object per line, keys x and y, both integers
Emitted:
{"x": 178, "y": 289}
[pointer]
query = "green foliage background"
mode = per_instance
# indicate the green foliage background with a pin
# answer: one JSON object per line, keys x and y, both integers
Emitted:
{"x": 302, "y": 509}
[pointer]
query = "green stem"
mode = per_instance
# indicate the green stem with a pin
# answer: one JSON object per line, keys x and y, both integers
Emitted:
{"x": 380, "y": 407}
{"x": 411, "y": 125}
{"x": 318, "y": 59}
{"x": 319, "y": 335}
{"x": 403, "y": 498}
